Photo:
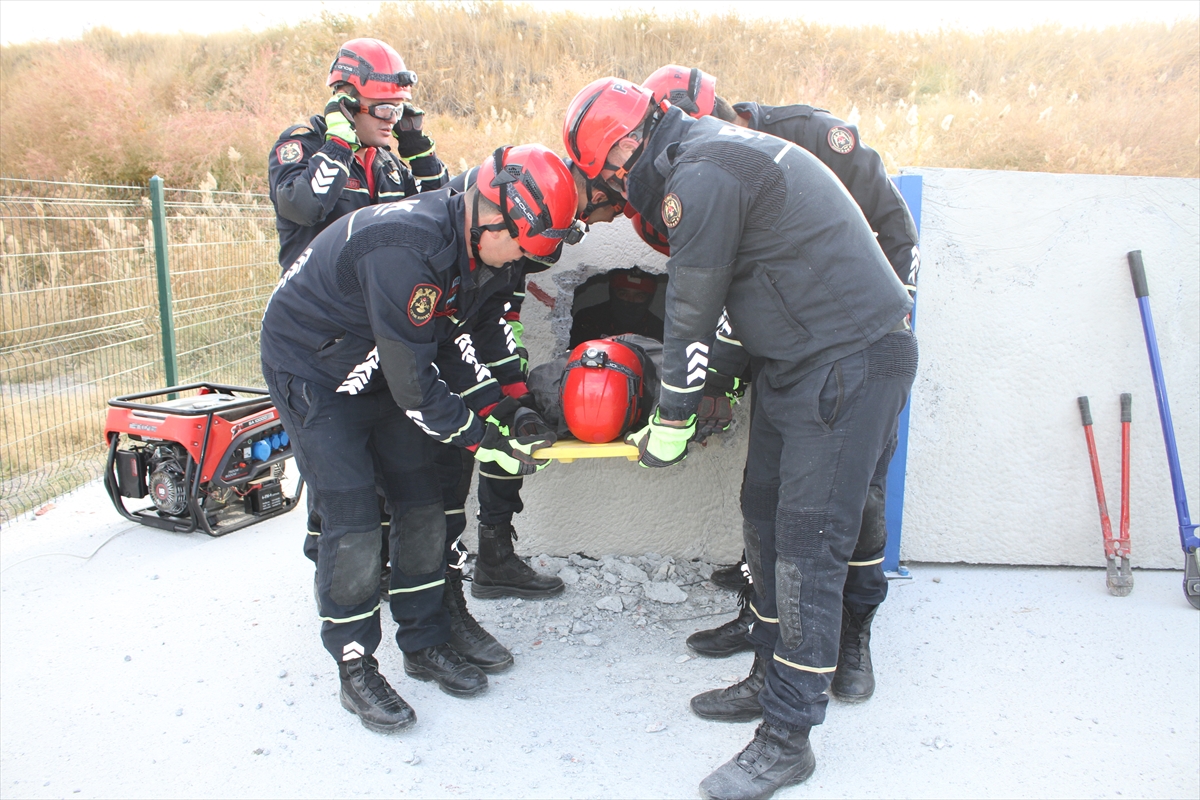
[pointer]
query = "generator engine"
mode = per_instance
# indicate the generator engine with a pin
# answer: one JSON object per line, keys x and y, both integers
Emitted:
{"x": 208, "y": 455}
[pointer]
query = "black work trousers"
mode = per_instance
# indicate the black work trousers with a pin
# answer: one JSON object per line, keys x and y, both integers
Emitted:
{"x": 499, "y": 494}
{"x": 815, "y": 448}
{"x": 341, "y": 443}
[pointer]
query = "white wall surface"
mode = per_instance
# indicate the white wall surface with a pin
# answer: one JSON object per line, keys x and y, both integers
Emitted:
{"x": 1025, "y": 304}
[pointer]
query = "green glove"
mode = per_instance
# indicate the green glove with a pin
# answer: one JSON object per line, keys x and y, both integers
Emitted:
{"x": 339, "y": 119}
{"x": 661, "y": 445}
{"x": 518, "y": 331}
{"x": 513, "y": 454}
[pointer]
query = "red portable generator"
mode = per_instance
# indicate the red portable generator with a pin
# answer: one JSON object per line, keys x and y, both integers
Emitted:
{"x": 211, "y": 458}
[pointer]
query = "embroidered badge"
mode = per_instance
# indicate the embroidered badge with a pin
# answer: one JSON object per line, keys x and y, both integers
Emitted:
{"x": 289, "y": 152}
{"x": 421, "y": 304}
{"x": 352, "y": 183}
{"x": 841, "y": 140}
{"x": 672, "y": 210}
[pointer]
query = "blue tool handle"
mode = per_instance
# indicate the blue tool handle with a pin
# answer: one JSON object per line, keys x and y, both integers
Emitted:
{"x": 1187, "y": 531}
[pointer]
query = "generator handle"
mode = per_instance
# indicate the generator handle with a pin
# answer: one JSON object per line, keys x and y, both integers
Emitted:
{"x": 127, "y": 400}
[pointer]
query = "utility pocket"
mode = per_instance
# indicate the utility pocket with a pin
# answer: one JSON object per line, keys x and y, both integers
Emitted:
{"x": 832, "y": 395}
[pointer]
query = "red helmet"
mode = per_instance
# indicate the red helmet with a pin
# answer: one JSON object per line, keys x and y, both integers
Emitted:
{"x": 373, "y": 68}
{"x": 537, "y": 198}
{"x": 600, "y": 115}
{"x": 694, "y": 91}
{"x": 601, "y": 390}
{"x": 650, "y": 234}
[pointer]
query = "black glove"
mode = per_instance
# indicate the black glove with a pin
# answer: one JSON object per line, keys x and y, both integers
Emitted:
{"x": 715, "y": 413}
{"x": 411, "y": 143}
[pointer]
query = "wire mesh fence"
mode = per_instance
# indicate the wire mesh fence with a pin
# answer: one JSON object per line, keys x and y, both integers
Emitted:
{"x": 80, "y": 316}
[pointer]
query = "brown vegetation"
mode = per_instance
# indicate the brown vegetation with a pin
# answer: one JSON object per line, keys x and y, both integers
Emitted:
{"x": 1122, "y": 100}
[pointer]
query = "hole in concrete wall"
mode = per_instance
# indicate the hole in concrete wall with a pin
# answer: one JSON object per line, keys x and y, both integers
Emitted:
{"x": 595, "y": 314}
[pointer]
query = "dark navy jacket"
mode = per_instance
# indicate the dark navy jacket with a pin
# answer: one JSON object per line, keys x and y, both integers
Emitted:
{"x": 314, "y": 182}
{"x": 861, "y": 171}
{"x": 759, "y": 226}
{"x": 385, "y": 297}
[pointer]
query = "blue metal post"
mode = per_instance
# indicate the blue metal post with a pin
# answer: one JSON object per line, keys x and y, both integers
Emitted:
{"x": 910, "y": 187}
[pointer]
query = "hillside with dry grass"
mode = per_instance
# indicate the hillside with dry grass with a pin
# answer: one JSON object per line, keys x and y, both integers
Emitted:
{"x": 1121, "y": 101}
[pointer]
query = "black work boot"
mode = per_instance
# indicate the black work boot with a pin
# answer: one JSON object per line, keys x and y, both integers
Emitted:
{"x": 854, "y": 680}
{"x": 367, "y": 693}
{"x": 443, "y": 664}
{"x": 737, "y": 703}
{"x": 731, "y": 578}
{"x": 725, "y": 640}
{"x": 467, "y": 636}
{"x": 500, "y": 573}
{"x": 777, "y": 757}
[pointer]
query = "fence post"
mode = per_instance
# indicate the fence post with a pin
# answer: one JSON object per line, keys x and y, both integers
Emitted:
{"x": 159, "y": 214}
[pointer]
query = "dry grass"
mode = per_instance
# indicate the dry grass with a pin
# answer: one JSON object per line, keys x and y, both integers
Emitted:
{"x": 1121, "y": 100}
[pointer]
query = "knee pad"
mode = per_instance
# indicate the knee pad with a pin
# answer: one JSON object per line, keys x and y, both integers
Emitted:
{"x": 802, "y": 533}
{"x": 356, "y": 568}
{"x": 419, "y": 539}
{"x": 788, "y": 583}
{"x": 872, "y": 537}
{"x": 759, "y": 500}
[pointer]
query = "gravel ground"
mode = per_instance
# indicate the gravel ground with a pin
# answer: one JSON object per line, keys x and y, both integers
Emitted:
{"x": 182, "y": 666}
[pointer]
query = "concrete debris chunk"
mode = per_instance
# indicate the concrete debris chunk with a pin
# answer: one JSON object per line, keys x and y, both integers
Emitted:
{"x": 610, "y": 603}
{"x": 704, "y": 570}
{"x": 579, "y": 627}
{"x": 547, "y": 565}
{"x": 655, "y": 727}
{"x": 664, "y": 592}
{"x": 630, "y": 573}
{"x": 592, "y": 640}
{"x": 569, "y": 576}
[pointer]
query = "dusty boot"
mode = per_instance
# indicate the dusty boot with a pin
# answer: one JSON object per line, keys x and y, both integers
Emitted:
{"x": 443, "y": 664}
{"x": 467, "y": 636}
{"x": 367, "y": 693}
{"x": 500, "y": 573}
{"x": 731, "y": 578}
{"x": 777, "y": 757}
{"x": 737, "y": 703}
{"x": 854, "y": 680}
{"x": 727, "y": 639}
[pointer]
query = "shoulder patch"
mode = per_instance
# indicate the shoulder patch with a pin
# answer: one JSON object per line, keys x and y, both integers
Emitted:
{"x": 841, "y": 139}
{"x": 421, "y": 304}
{"x": 289, "y": 152}
{"x": 672, "y": 210}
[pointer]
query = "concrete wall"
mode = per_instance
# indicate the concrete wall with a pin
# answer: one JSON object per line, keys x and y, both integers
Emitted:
{"x": 1025, "y": 304}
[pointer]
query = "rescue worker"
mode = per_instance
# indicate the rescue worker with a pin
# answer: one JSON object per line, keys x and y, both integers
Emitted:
{"x": 341, "y": 160}
{"x": 627, "y": 310}
{"x": 861, "y": 171}
{"x": 758, "y": 226}
{"x": 499, "y": 571}
{"x": 376, "y": 299}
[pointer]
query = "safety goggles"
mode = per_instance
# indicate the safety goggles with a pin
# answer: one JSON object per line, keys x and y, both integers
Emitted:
{"x": 385, "y": 111}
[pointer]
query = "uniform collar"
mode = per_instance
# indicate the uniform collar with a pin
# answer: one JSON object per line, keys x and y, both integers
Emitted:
{"x": 756, "y": 113}
{"x": 647, "y": 181}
